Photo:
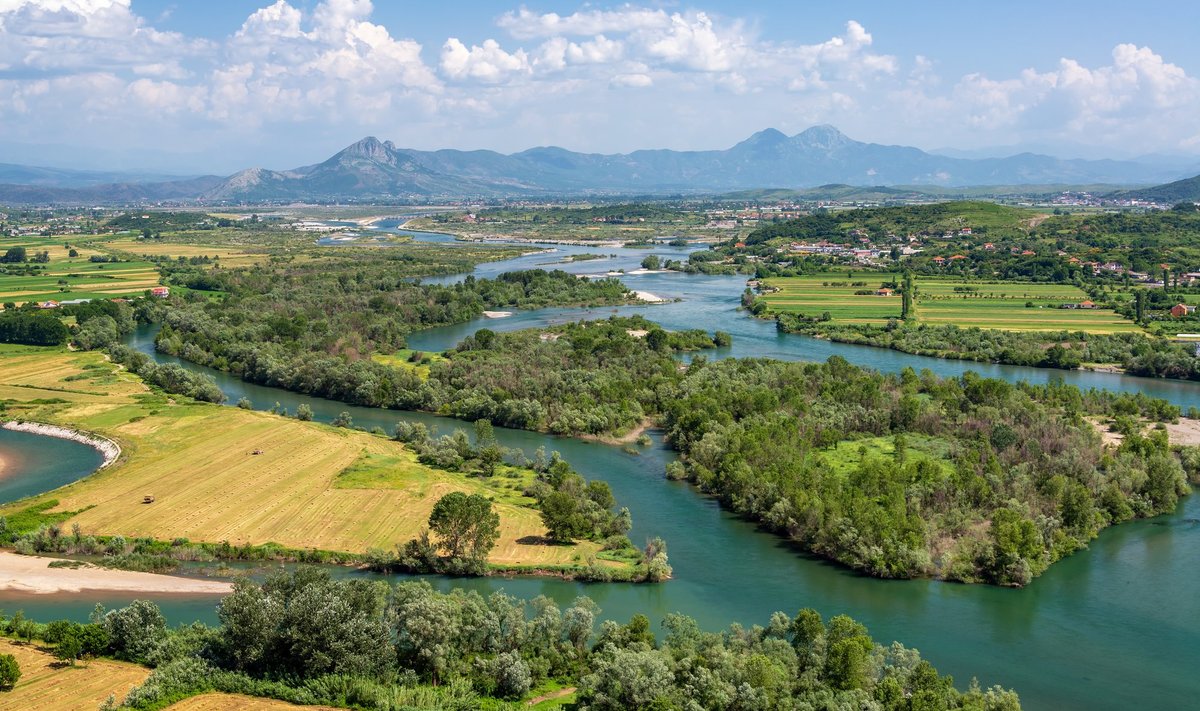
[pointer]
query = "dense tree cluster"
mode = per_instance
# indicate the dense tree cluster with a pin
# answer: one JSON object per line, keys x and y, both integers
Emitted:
{"x": 308, "y": 639}
{"x": 170, "y": 377}
{"x": 33, "y": 328}
{"x": 313, "y": 327}
{"x": 1006, "y": 480}
{"x": 1136, "y": 353}
{"x": 590, "y": 377}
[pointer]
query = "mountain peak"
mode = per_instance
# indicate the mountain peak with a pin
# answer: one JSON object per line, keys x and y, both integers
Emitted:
{"x": 822, "y": 136}
{"x": 765, "y": 140}
{"x": 370, "y": 148}
{"x": 768, "y": 135}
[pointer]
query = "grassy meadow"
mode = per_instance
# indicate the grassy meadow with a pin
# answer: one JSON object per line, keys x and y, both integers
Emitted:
{"x": 1007, "y": 306}
{"x": 313, "y": 486}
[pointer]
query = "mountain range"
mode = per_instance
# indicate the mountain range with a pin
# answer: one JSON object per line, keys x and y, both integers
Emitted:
{"x": 371, "y": 169}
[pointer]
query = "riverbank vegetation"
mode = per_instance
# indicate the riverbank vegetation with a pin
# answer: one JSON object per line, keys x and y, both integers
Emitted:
{"x": 967, "y": 479}
{"x": 304, "y": 638}
{"x": 315, "y": 327}
{"x": 235, "y": 478}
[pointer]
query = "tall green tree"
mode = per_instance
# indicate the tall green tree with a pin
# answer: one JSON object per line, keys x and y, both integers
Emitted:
{"x": 467, "y": 526}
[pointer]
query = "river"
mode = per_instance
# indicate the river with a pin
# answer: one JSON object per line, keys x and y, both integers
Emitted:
{"x": 1113, "y": 627}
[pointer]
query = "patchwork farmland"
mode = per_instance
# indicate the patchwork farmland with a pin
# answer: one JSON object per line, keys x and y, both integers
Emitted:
{"x": 1008, "y": 306}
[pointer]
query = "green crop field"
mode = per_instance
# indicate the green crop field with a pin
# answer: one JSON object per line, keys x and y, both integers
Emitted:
{"x": 833, "y": 292}
{"x": 1012, "y": 306}
{"x": 1013, "y": 315}
{"x": 66, "y": 277}
{"x": 1008, "y": 306}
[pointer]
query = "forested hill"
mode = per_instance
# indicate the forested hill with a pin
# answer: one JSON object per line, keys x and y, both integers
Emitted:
{"x": 1186, "y": 190}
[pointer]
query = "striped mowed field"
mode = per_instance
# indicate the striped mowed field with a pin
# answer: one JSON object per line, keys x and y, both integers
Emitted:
{"x": 197, "y": 460}
{"x": 237, "y": 702}
{"x": 46, "y": 685}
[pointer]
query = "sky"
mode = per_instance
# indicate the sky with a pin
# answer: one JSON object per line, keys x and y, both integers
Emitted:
{"x": 190, "y": 86}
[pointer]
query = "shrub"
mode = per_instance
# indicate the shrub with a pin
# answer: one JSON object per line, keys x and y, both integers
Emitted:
{"x": 10, "y": 672}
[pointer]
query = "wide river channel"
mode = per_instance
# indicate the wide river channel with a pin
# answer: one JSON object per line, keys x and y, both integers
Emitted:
{"x": 1116, "y": 626}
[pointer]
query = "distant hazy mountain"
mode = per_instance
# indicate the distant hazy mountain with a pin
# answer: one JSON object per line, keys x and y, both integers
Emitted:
{"x": 110, "y": 193}
{"x": 11, "y": 173}
{"x": 819, "y": 156}
{"x": 822, "y": 155}
{"x": 1186, "y": 190}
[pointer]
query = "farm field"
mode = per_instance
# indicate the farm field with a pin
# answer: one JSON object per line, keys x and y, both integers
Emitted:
{"x": 47, "y": 686}
{"x": 66, "y": 277}
{"x": 815, "y": 294}
{"x": 228, "y": 256}
{"x": 313, "y": 486}
{"x": 235, "y": 702}
{"x": 992, "y": 305}
{"x": 1005, "y": 306}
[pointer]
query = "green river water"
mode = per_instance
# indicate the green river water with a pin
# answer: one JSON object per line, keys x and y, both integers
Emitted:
{"x": 1116, "y": 626}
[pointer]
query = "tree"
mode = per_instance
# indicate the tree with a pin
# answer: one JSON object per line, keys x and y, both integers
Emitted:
{"x": 485, "y": 338}
{"x": 14, "y": 255}
{"x": 906, "y": 296}
{"x": 10, "y": 672}
{"x": 722, "y": 339}
{"x": 69, "y": 647}
{"x": 304, "y": 412}
{"x": 651, "y": 261}
{"x": 135, "y": 631}
{"x": 467, "y": 526}
{"x": 657, "y": 339}
{"x": 562, "y": 517}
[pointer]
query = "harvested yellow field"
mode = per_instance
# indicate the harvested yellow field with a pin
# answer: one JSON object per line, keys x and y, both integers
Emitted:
{"x": 235, "y": 702}
{"x": 228, "y": 256}
{"x": 198, "y": 461}
{"x": 47, "y": 686}
{"x": 23, "y": 367}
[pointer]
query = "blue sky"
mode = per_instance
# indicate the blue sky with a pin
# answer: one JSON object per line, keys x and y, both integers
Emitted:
{"x": 189, "y": 86}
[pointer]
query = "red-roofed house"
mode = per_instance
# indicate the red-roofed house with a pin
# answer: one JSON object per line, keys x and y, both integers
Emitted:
{"x": 160, "y": 292}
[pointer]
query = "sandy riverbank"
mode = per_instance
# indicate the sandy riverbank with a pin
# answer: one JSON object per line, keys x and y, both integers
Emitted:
{"x": 649, "y": 298}
{"x": 497, "y": 314}
{"x": 32, "y": 574}
{"x": 108, "y": 449}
